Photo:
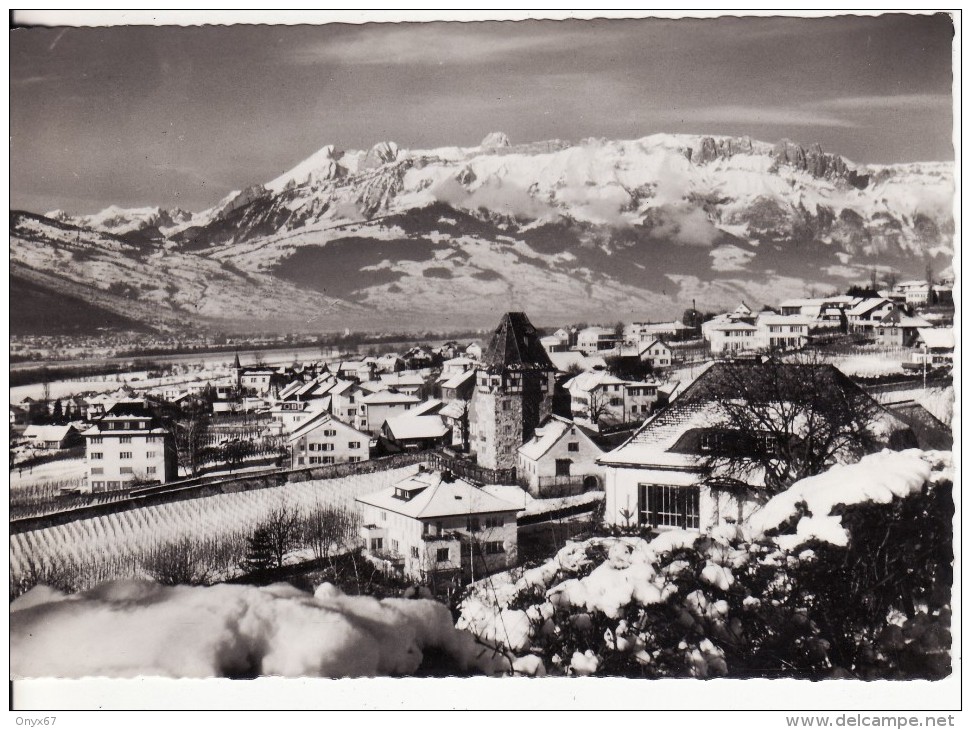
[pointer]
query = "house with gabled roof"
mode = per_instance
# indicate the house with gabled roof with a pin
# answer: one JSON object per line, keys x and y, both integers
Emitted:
{"x": 324, "y": 439}
{"x": 377, "y": 408}
{"x": 658, "y": 478}
{"x": 898, "y": 329}
{"x": 868, "y": 313}
{"x": 559, "y": 458}
{"x": 435, "y": 526}
{"x": 936, "y": 347}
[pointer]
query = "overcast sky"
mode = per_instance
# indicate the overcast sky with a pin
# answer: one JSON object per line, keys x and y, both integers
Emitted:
{"x": 181, "y": 116}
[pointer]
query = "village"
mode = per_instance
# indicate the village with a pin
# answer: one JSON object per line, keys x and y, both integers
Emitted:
{"x": 623, "y": 424}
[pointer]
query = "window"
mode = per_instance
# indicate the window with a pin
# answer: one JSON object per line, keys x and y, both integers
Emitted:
{"x": 125, "y": 440}
{"x": 563, "y": 467}
{"x": 384, "y": 516}
{"x": 441, "y": 555}
{"x": 353, "y": 444}
{"x": 97, "y": 470}
{"x": 473, "y": 524}
{"x": 97, "y": 485}
{"x": 125, "y": 470}
{"x": 377, "y": 543}
{"x": 573, "y": 446}
{"x": 151, "y": 454}
{"x": 394, "y": 546}
{"x": 96, "y": 440}
{"x": 97, "y": 455}
{"x": 150, "y": 470}
{"x": 494, "y": 548}
{"x": 124, "y": 455}
{"x": 414, "y": 552}
{"x": 616, "y": 402}
{"x": 142, "y": 425}
{"x": 493, "y": 521}
{"x": 662, "y": 505}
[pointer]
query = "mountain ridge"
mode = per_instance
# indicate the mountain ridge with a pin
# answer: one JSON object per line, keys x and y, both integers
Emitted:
{"x": 596, "y": 228}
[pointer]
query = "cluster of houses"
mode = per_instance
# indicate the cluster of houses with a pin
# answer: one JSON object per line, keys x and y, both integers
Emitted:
{"x": 888, "y": 321}
{"x": 523, "y": 410}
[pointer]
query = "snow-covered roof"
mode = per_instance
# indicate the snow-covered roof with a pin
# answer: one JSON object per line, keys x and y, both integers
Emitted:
{"x": 457, "y": 381}
{"x": 323, "y": 419}
{"x": 732, "y": 326}
{"x": 563, "y": 361}
{"x": 591, "y": 381}
{"x": 406, "y": 426}
{"x": 867, "y": 305}
{"x": 548, "y": 434}
{"x": 454, "y": 409}
{"x": 935, "y": 338}
{"x": 388, "y": 396}
{"x": 430, "y": 406}
{"x": 48, "y": 433}
{"x": 789, "y": 319}
{"x": 399, "y": 379}
{"x": 437, "y": 498}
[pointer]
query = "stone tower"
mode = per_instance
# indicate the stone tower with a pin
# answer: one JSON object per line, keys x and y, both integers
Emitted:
{"x": 513, "y": 392}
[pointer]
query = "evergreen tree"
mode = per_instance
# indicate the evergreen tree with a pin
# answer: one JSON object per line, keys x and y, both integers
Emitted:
{"x": 259, "y": 552}
{"x": 58, "y": 413}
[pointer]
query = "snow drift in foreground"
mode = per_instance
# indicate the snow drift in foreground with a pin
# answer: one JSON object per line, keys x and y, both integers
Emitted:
{"x": 139, "y": 628}
{"x": 877, "y": 478}
{"x": 643, "y": 573}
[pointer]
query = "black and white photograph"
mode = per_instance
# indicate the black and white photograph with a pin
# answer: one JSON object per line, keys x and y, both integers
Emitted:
{"x": 588, "y": 348}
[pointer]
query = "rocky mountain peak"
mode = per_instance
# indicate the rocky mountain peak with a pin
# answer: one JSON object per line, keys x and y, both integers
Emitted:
{"x": 496, "y": 139}
{"x": 380, "y": 154}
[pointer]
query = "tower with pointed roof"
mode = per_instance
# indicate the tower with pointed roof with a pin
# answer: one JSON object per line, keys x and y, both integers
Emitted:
{"x": 237, "y": 373}
{"x": 513, "y": 392}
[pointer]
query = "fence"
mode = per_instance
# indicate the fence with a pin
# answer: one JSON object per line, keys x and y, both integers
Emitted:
{"x": 468, "y": 470}
{"x": 208, "y": 487}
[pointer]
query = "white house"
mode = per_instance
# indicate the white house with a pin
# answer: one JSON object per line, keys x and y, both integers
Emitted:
{"x": 657, "y": 479}
{"x": 126, "y": 444}
{"x": 641, "y": 331}
{"x": 52, "y": 437}
{"x": 377, "y": 408}
{"x": 731, "y": 337}
{"x": 936, "y": 347}
{"x": 599, "y": 399}
{"x": 655, "y": 353}
{"x": 287, "y": 415}
{"x": 560, "y": 455}
{"x": 324, "y": 439}
{"x": 414, "y": 432}
{"x": 782, "y": 332}
{"x": 596, "y": 339}
{"x": 434, "y": 527}
{"x": 866, "y": 315}
{"x": 404, "y": 382}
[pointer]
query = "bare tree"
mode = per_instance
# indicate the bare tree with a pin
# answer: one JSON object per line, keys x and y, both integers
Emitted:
{"x": 789, "y": 420}
{"x": 327, "y": 527}
{"x": 282, "y": 531}
{"x": 181, "y": 562}
{"x": 598, "y": 406}
{"x": 190, "y": 439}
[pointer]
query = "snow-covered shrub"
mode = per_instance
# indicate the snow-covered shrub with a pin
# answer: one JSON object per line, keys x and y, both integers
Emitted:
{"x": 864, "y": 593}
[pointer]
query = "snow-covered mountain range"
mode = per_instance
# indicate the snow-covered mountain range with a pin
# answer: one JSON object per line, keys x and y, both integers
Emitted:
{"x": 599, "y": 229}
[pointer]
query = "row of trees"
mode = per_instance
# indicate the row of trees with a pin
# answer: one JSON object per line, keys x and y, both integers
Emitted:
{"x": 325, "y": 531}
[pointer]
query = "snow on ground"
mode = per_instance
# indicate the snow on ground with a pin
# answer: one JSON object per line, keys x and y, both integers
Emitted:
{"x": 139, "y": 628}
{"x": 637, "y": 571}
{"x": 938, "y": 401}
{"x": 876, "y": 478}
{"x": 52, "y": 471}
{"x": 112, "y": 538}
{"x": 868, "y": 366}
{"x": 533, "y": 506}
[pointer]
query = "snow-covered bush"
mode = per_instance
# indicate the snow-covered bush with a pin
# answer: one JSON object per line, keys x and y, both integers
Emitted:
{"x": 825, "y": 585}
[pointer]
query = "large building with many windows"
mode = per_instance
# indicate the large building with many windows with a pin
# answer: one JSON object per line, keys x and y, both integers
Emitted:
{"x": 324, "y": 439}
{"x": 435, "y": 526}
{"x": 128, "y": 444}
